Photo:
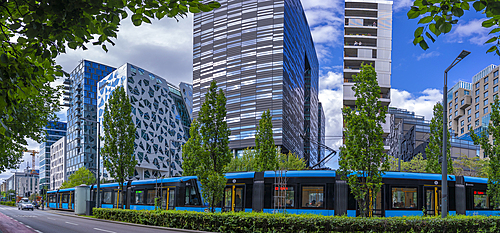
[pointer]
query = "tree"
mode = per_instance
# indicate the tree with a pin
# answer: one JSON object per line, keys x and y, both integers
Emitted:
{"x": 81, "y": 176}
{"x": 265, "y": 150}
{"x": 465, "y": 166}
{"x": 119, "y": 137}
{"x": 34, "y": 33}
{"x": 491, "y": 151}
{"x": 362, "y": 159}
{"x": 291, "y": 161}
{"x": 27, "y": 120}
{"x": 439, "y": 16}
{"x": 247, "y": 162}
{"x": 434, "y": 150}
{"x": 208, "y": 154}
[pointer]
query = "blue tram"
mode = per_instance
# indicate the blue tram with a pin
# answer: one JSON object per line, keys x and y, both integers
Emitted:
{"x": 309, "y": 191}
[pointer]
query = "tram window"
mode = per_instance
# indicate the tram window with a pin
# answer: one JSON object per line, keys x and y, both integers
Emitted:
{"x": 107, "y": 197}
{"x": 151, "y": 197}
{"x": 289, "y": 194}
{"x": 312, "y": 196}
{"x": 480, "y": 200}
{"x": 139, "y": 197}
{"x": 52, "y": 198}
{"x": 290, "y": 197}
{"x": 65, "y": 198}
{"x": 191, "y": 197}
{"x": 404, "y": 198}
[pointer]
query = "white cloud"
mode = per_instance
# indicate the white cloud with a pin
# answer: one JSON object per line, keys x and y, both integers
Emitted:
{"x": 421, "y": 105}
{"x": 326, "y": 34}
{"x": 325, "y": 18}
{"x": 471, "y": 31}
{"x": 428, "y": 55}
{"x": 402, "y": 5}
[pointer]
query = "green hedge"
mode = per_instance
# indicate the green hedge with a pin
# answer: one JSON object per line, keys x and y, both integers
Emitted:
{"x": 9, "y": 203}
{"x": 261, "y": 222}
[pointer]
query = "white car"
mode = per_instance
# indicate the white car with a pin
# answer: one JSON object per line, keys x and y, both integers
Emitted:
{"x": 25, "y": 204}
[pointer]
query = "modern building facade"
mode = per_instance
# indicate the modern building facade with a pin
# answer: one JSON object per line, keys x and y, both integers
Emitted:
{"x": 82, "y": 115}
{"x": 58, "y": 164}
{"x": 24, "y": 183}
{"x": 368, "y": 40}
{"x": 261, "y": 54}
{"x": 469, "y": 104}
{"x": 160, "y": 114}
{"x": 54, "y": 131}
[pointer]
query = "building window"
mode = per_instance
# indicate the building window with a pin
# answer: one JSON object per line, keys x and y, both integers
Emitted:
{"x": 456, "y": 106}
{"x": 495, "y": 88}
{"x": 456, "y": 113}
{"x": 469, "y": 126}
{"x": 449, "y": 117}
{"x": 466, "y": 92}
{"x": 462, "y": 102}
{"x": 477, "y": 100}
{"x": 486, "y": 79}
{"x": 485, "y": 102}
{"x": 403, "y": 198}
{"x": 477, "y": 107}
{"x": 450, "y": 110}
{"x": 469, "y": 119}
{"x": 468, "y": 111}
{"x": 485, "y": 94}
{"x": 495, "y": 73}
{"x": 477, "y": 85}
{"x": 495, "y": 81}
{"x": 449, "y": 124}
{"x": 462, "y": 130}
{"x": 462, "y": 123}
{"x": 495, "y": 96}
{"x": 476, "y": 123}
{"x": 456, "y": 99}
{"x": 450, "y": 104}
{"x": 486, "y": 86}
{"x": 456, "y": 94}
{"x": 485, "y": 110}
{"x": 477, "y": 92}
{"x": 477, "y": 115}
{"x": 312, "y": 196}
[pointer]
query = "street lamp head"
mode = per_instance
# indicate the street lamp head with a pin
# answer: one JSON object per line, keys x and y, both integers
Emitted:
{"x": 463, "y": 54}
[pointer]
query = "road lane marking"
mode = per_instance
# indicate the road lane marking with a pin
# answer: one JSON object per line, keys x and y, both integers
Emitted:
{"x": 72, "y": 223}
{"x": 51, "y": 218}
{"x": 104, "y": 230}
{"x": 38, "y": 231}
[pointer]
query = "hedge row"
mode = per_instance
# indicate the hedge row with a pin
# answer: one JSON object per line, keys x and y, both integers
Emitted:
{"x": 262, "y": 222}
{"x": 9, "y": 203}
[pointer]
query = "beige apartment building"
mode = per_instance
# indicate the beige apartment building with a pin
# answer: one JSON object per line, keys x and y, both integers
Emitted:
{"x": 469, "y": 104}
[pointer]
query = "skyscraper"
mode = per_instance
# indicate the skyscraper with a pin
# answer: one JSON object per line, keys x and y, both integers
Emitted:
{"x": 368, "y": 40}
{"x": 261, "y": 53}
{"x": 161, "y": 117}
{"x": 82, "y": 115}
{"x": 54, "y": 131}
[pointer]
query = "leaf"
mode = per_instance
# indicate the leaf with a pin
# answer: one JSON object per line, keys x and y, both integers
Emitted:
{"x": 491, "y": 40}
{"x": 465, "y": 6}
{"x": 492, "y": 48}
{"x": 425, "y": 20}
{"x": 458, "y": 12}
{"x": 413, "y": 14}
{"x": 478, "y": 5}
{"x": 194, "y": 10}
{"x": 430, "y": 37}
{"x": 445, "y": 27}
{"x": 418, "y": 31}
{"x": 488, "y": 23}
{"x": 214, "y": 5}
{"x": 104, "y": 48}
{"x": 432, "y": 28}
{"x": 146, "y": 19}
{"x": 423, "y": 45}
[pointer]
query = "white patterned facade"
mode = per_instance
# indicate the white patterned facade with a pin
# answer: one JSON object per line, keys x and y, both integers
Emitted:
{"x": 57, "y": 163}
{"x": 160, "y": 115}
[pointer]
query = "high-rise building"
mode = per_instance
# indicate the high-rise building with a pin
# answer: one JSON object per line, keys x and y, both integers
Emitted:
{"x": 160, "y": 115}
{"x": 262, "y": 55}
{"x": 368, "y": 40}
{"x": 469, "y": 104}
{"x": 54, "y": 131}
{"x": 58, "y": 163}
{"x": 82, "y": 115}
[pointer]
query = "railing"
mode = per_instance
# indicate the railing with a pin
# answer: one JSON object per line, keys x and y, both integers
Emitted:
{"x": 359, "y": 34}
{"x": 362, "y": 44}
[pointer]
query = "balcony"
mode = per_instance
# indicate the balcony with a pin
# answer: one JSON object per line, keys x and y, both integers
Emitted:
{"x": 459, "y": 114}
{"x": 78, "y": 101}
{"x": 67, "y": 81}
{"x": 67, "y": 98}
{"x": 465, "y": 101}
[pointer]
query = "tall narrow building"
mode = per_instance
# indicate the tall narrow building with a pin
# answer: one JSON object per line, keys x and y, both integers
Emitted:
{"x": 53, "y": 132}
{"x": 368, "y": 40}
{"x": 261, "y": 53}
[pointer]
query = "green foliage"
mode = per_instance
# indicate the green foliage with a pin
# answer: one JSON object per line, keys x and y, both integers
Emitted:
{"x": 81, "y": 176}
{"x": 439, "y": 16}
{"x": 206, "y": 153}
{"x": 8, "y": 203}
{"x": 363, "y": 151}
{"x": 119, "y": 137}
{"x": 266, "y": 153}
{"x": 492, "y": 151}
{"x": 417, "y": 164}
{"x": 34, "y": 33}
{"x": 434, "y": 149}
{"x": 465, "y": 166}
{"x": 25, "y": 120}
{"x": 247, "y": 162}
{"x": 263, "y": 222}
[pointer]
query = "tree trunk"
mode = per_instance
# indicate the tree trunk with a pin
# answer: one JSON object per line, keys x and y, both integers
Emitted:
{"x": 213, "y": 203}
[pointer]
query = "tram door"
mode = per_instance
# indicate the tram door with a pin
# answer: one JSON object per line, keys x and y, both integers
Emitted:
{"x": 233, "y": 198}
{"x": 432, "y": 200}
{"x": 168, "y": 198}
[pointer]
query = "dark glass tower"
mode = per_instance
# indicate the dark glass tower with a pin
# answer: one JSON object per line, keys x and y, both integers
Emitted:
{"x": 54, "y": 131}
{"x": 262, "y": 55}
{"x": 82, "y": 115}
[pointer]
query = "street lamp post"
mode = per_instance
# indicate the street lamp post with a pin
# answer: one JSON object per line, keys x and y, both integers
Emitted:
{"x": 98, "y": 198}
{"x": 444, "y": 161}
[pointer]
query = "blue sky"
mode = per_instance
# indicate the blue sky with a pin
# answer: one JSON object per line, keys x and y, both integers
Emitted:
{"x": 165, "y": 48}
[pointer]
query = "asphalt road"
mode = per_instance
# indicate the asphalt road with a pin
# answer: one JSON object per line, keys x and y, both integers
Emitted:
{"x": 13, "y": 220}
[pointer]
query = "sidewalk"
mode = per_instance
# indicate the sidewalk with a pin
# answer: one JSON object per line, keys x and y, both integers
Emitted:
{"x": 8, "y": 225}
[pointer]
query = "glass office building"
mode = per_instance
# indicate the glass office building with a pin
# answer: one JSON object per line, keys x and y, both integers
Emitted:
{"x": 54, "y": 131}
{"x": 82, "y": 115}
{"x": 261, "y": 53}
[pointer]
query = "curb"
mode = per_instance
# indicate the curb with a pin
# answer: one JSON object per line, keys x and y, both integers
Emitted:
{"x": 131, "y": 224}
